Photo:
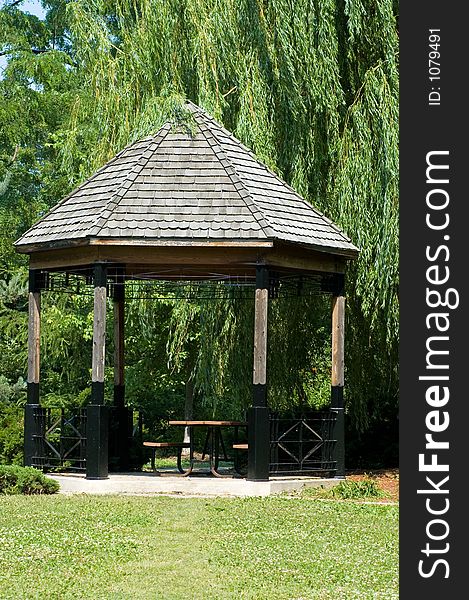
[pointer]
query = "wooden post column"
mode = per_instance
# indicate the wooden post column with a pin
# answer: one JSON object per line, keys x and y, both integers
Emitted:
{"x": 337, "y": 377}
{"x": 36, "y": 282}
{"x": 258, "y": 413}
{"x": 97, "y": 425}
{"x": 122, "y": 426}
{"x": 119, "y": 377}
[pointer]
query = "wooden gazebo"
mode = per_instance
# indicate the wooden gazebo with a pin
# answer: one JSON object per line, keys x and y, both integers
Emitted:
{"x": 187, "y": 202}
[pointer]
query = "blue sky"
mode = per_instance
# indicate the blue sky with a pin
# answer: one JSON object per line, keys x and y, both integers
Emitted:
{"x": 33, "y": 7}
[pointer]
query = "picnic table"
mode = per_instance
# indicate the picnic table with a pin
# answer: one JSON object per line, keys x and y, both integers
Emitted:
{"x": 213, "y": 441}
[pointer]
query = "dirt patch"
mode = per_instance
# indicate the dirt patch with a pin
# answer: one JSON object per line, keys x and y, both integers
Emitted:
{"x": 387, "y": 480}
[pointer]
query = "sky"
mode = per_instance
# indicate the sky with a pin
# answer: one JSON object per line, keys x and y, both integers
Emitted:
{"x": 33, "y": 7}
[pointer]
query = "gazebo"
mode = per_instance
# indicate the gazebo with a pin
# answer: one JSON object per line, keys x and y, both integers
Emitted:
{"x": 186, "y": 203}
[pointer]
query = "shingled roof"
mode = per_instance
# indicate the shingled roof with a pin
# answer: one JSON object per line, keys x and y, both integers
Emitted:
{"x": 186, "y": 186}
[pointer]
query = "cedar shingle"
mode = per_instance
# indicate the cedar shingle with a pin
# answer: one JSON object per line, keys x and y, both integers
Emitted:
{"x": 173, "y": 186}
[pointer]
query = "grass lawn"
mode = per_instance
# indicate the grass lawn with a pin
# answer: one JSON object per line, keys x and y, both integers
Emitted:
{"x": 97, "y": 547}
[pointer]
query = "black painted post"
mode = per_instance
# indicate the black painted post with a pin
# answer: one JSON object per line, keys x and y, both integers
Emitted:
{"x": 123, "y": 416}
{"x": 337, "y": 376}
{"x": 31, "y": 422}
{"x": 258, "y": 413}
{"x": 97, "y": 422}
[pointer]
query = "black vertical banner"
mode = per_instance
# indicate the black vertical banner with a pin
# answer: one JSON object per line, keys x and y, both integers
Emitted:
{"x": 434, "y": 357}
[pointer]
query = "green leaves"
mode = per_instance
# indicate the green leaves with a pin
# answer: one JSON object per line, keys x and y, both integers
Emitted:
{"x": 313, "y": 91}
{"x": 25, "y": 480}
{"x": 35, "y": 92}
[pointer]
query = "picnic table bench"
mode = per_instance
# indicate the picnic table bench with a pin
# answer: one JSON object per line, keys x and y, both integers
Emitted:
{"x": 155, "y": 445}
{"x": 236, "y": 458}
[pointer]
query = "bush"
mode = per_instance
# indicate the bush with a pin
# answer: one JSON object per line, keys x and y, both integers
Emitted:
{"x": 366, "y": 488}
{"x": 12, "y": 398}
{"x": 11, "y": 434}
{"x": 348, "y": 490}
{"x": 25, "y": 480}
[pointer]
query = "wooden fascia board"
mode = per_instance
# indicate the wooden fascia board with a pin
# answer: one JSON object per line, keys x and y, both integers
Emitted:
{"x": 65, "y": 244}
{"x": 188, "y": 256}
{"x": 50, "y": 247}
{"x": 183, "y": 243}
{"x": 289, "y": 257}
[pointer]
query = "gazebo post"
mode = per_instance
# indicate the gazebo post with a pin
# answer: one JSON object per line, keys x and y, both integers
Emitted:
{"x": 36, "y": 282}
{"x": 337, "y": 376}
{"x": 258, "y": 413}
{"x": 122, "y": 414}
{"x": 97, "y": 425}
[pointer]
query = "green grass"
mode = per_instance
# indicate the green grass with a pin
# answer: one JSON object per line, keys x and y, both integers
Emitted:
{"x": 60, "y": 548}
{"x": 170, "y": 462}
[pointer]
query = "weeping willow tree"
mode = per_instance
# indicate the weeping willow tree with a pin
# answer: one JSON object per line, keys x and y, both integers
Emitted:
{"x": 220, "y": 330}
{"x": 312, "y": 88}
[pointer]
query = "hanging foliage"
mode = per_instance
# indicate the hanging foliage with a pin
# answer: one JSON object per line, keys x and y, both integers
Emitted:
{"x": 312, "y": 88}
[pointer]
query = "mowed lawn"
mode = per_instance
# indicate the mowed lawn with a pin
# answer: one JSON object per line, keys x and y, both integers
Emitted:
{"x": 97, "y": 547}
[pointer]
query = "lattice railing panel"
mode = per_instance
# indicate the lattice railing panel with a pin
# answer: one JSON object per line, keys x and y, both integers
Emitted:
{"x": 304, "y": 444}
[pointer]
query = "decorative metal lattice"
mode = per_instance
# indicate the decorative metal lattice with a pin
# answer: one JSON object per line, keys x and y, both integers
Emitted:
{"x": 60, "y": 439}
{"x": 167, "y": 286}
{"x": 303, "y": 445}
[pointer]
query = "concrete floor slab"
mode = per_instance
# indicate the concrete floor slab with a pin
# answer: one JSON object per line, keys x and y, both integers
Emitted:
{"x": 149, "y": 484}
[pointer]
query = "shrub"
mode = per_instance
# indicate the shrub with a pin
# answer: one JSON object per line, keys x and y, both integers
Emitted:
{"x": 11, "y": 434}
{"x": 348, "y": 490}
{"x": 366, "y": 488}
{"x": 25, "y": 480}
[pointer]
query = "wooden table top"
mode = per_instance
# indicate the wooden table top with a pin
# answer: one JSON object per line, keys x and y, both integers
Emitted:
{"x": 209, "y": 423}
